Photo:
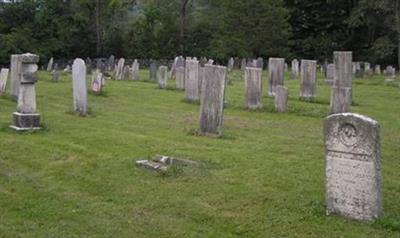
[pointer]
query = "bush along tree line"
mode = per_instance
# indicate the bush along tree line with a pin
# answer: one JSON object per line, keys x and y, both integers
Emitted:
{"x": 220, "y": 29}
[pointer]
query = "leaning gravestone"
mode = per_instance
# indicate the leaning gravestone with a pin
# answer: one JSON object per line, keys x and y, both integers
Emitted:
{"x": 119, "y": 70}
{"x": 281, "y": 98}
{"x": 295, "y": 69}
{"x": 352, "y": 167}
{"x": 180, "y": 78}
{"x": 135, "y": 70}
{"x": 50, "y": 65}
{"x": 79, "y": 87}
{"x": 330, "y": 74}
{"x": 162, "y": 77}
{"x": 253, "y": 87}
{"x": 341, "y": 97}
{"x": 153, "y": 70}
{"x": 308, "y": 83}
{"x": 192, "y": 80}
{"x": 15, "y": 73}
{"x": 3, "y": 80}
{"x": 276, "y": 70}
{"x": 212, "y": 100}
{"x": 26, "y": 117}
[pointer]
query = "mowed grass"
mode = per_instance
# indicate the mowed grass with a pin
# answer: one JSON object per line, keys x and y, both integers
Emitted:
{"x": 263, "y": 178}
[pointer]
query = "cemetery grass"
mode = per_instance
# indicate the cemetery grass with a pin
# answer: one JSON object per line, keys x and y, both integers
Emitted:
{"x": 263, "y": 178}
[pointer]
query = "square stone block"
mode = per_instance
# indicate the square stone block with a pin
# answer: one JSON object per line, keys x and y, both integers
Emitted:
{"x": 25, "y": 122}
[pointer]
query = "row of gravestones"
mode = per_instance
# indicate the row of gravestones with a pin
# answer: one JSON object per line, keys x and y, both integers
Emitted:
{"x": 352, "y": 144}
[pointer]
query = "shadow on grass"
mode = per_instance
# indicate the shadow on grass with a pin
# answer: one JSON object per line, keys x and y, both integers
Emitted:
{"x": 195, "y": 102}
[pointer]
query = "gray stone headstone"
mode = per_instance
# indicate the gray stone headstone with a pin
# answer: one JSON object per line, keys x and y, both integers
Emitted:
{"x": 192, "y": 80}
{"x": 260, "y": 63}
{"x": 359, "y": 70}
{"x": 55, "y": 75}
{"x": 341, "y": 97}
{"x": 378, "y": 69}
{"x": 330, "y": 74}
{"x": 390, "y": 73}
{"x": 231, "y": 63}
{"x": 308, "y": 83}
{"x": 126, "y": 72}
{"x": 180, "y": 78}
{"x": 352, "y": 166}
{"x": 3, "y": 80}
{"x": 135, "y": 70}
{"x": 153, "y": 71}
{"x": 295, "y": 69}
{"x": 79, "y": 87}
{"x": 111, "y": 63}
{"x": 15, "y": 73}
{"x": 162, "y": 77}
{"x": 281, "y": 98}
{"x": 276, "y": 70}
{"x": 97, "y": 81}
{"x": 212, "y": 100}
{"x": 367, "y": 67}
{"x": 26, "y": 118}
{"x": 253, "y": 87}
{"x": 243, "y": 64}
{"x": 119, "y": 70}
{"x": 50, "y": 65}
{"x": 89, "y": 63}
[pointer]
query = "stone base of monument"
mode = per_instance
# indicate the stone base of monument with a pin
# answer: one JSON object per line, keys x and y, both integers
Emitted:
{"x": 162, "y": 163}
{"x": 25, "y": 122}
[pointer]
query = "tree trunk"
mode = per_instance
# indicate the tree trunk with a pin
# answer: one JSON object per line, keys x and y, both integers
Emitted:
{"x": 397, "y": 10}
{"x": 182, "y": 25}
{"x": 98, "y": 28}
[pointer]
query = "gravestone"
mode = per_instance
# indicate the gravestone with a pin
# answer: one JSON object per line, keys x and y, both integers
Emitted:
{"x": 330, "y": 74}
{"x": 276, "y": 70}
{"x": 180, "y": 78}
{"x": 153, "y": 71}
{"x": 202, "y": 74}
{"x": 352, "y": 166}
{"x": 308, "y": 83}
{"x": 3, "y": 80}
{"x": 79, "y": 87}
{"x": 15, "y": 75}
{"x": 243, "y": 64}
{"x": 390, "y": 74}
{"x": 212, "y": 100}
{"x": 192, "y": 80}
{"x": 111, "y": 63}
{"x": 26, "y": 117}
{"x": 126, "y": 72}
{"x": 210, "y": 62}
{"x": 89, "y": 63}
{"x": 67, "y": 69}
{"x": 295, "y": 69}
{"x": 231, "y": 63}
{"x": 50, "y": 65}
{"x": 97, "y": 82}
{"x": 359, "y": 70}
{"x": 135, "y": 70}
{"x": 119, "y": 70}
{"x": 162, "y": 77}
{"x": 378, "y": 69}
{"x": 259, "y": 63}
{"x": 367, "y": 67}
{"x": 55, "y": 75}
{"x": 281, "y": 98}
{"x": 253, "y": 87}
{"x": 341, "y": 97}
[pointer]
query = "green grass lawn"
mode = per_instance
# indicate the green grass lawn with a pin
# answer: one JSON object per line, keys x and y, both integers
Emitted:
{"x": 263, "y": 178}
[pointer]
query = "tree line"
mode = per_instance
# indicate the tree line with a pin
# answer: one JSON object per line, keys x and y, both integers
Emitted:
{"x": 219, "y": 29}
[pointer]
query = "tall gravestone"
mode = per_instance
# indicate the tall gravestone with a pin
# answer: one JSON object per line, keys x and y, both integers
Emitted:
{"x": 341, "y": 97}
{"x": 192, "y": 80}
{"x": 352, "y": 166}
{"x": 153, "y": 70}
{"x": 79, "y": 87}
{"x": 276, "y": 70}
{"x": 135, "y": 70}
{"x": 308, "y": 83}
{"x": 281, "y": 98}
{"x": 15, "y": 73}
{"x": 330, "y": 74}
{"x": 119, "y": 70}
{"x": 26, "y": 117}
{"x": 253, "y": 87}
{"x": 180, "y": 78}
{"x": 295, "y": 69}
{"x": 162, "y": 77}
{"x": 3, "y": 80}
{"x": 111, "y": 63}
{"x": 231, "y": 64}
{"x": 50, "y": 65}
{"x": 212, "y": 100}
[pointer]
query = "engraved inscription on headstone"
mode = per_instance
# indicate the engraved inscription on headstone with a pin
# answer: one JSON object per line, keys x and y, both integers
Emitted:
{"x": 352, "y": 166}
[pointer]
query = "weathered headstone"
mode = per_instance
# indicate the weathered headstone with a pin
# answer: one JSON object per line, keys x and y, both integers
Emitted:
{"x": 135, "y": 70}
{"x": 79, "y": 87}
{"x": 253, "y": 87}
{"x": 378, "y": 69}
{"x": 26, "y": 117}
{"x": 111, "y": 63}
{"x": 308, "y": 83}
{"x": 260, "y": 63}
{"x": 15, "y": 73}
{"x": 126, "y": 72}
{"x": 390, "y": 74}
{"x": 119, "y": 70}
{"x": 97, "y": 81}
{"x": 295, "y": 69}
{"x": 243, "y": 64}
{"x": 55, "y": 74}
{"x": 3, "y": 80}
{"x": 276, "y": 69}
{"x": 67, "y": 69}
{"x": 212, "y": 100}
{"x": 281, "y": 98}
{"x": 192, "y": 80}
{"x": 359, "y": 70}
{"x": 180, "y": 78}
{"x": 367, "y": 67}
{"x": 330, "y": 74}
{"x": 162, "y": 77}
{"x": 341, "y": 97}
{"x": 352, "y": 166}
{"x": 153, "y": 70}
{"x": 231, "y": 63}
{"x": 50, "y": 65}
